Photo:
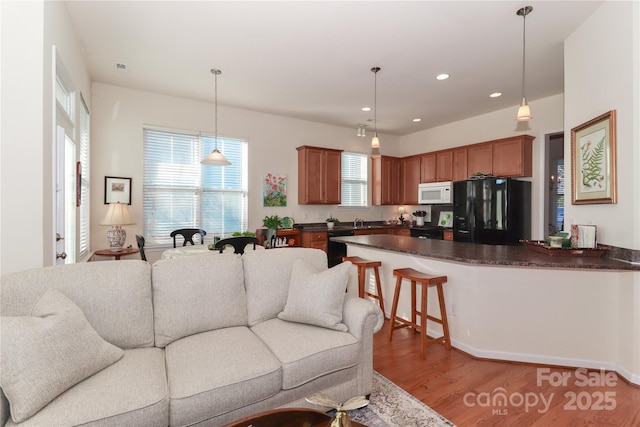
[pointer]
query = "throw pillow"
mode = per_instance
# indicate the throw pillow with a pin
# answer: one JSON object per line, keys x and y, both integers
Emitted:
{"x": 49, "y": 352}
{"x": 316, "y": 298}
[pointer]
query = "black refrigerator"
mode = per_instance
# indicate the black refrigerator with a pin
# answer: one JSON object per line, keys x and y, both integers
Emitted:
{"x": 494, "y": 211}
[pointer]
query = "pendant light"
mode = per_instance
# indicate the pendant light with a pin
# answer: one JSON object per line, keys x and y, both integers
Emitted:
{"x": 361, "y": 131}
{"x": 524, "y": 113}
{"x": 215, "y": 158}
{"x": 375, "y": 141}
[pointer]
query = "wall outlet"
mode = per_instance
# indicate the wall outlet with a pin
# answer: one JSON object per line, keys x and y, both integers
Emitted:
{"x": 453, "y": 309}
{"x": 305, "y": 215}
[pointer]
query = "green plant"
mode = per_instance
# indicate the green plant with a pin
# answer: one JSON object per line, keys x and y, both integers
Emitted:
{"x": 420, "y": 213}
{"x": 273, "y": 222}
{"x": 243, "y": 233}
{"x": 332, "y": 219}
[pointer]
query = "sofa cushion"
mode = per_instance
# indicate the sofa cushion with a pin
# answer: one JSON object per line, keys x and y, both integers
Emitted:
{"x": 131, "y": 392}
{"x": 216, "y": 372}
{"x": 197, "y": 294}
{"x": 316, "y": 298}
{"x": 267, "y": 275}
{"x": 307, "y": 352}
{"x": 115, "y": 296}
{"x": 49, "y": 352}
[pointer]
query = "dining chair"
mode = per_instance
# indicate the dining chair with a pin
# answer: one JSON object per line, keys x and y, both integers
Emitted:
{"x": 140, "y": 240}
{"x": 187, "y": 234}
{"x": 238, "y": 243}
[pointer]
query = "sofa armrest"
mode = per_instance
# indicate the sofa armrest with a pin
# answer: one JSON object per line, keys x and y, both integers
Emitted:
{"x": 356, "y": 312}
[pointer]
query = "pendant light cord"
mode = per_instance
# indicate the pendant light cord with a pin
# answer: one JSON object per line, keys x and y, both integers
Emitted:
{"x": 215, "y": 72}
{"x": 524, "y": 39}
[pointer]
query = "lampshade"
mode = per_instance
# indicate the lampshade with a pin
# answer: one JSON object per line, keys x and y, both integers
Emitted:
{"x": 524, "y": 113}
{"x": 117, "y": 215}
{"x": 215, "y": 158}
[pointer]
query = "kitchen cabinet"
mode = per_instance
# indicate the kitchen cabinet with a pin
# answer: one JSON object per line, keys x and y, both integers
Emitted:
{"x": 459, "y": 164}
{"x": 314, "y": 239}
{"x": 428, "y": 167}
{"x": 319, "y": 176}
{"x": 401, "y": 231}
{"x": 369, "y": 231}
{"x": 410, "y": 180}
{"x": 480, "y": 158}
{"x": 444, "y": 165}
{"x": 512, "y": 157}
{"x": 385, "y": 175}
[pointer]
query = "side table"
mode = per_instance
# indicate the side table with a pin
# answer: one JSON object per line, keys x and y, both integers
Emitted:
{"x": 117, "y": 255}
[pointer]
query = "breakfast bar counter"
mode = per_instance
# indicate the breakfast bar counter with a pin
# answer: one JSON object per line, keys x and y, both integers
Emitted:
{"x": 513, "y": 303}
{"x": 471, "y": 253}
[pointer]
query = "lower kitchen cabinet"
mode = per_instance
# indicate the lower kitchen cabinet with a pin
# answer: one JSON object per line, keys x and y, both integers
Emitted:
{"x": 314, "y": 239}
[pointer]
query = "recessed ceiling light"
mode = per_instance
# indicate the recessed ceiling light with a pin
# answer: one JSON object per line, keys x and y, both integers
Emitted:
{"x": 416, "y": 120}
{"x": 495, "y": 94}
{"x": 366, "y": 108}
{"x": 443, "y": 76}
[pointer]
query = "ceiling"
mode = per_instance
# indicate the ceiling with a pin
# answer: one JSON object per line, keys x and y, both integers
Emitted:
{"x": 312, "y": 59}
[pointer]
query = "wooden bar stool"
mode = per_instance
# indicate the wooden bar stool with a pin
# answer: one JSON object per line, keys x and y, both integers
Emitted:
{"x": 362, "y": 265}
{"x": 426, "y": 280}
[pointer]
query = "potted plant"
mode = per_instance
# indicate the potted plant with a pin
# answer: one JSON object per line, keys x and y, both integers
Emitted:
{"x": 272, "y": 223}
{"x": 331, "y": 221}
{"x": 420, "y": 217}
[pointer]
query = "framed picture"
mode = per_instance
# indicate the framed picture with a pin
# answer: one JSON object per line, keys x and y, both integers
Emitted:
{"x": 274, "y": 190}
{"x": 593, "y": 152}
{"x": 117, "y": 189}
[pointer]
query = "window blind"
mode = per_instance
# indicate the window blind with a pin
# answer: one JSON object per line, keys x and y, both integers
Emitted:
{"x": 179, "y": 192}
{"x": 354, "y": 179}
{"x": 85, "y": 133}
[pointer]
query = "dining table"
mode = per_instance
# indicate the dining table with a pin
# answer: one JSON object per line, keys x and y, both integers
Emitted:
{"x": 196, "y": 250}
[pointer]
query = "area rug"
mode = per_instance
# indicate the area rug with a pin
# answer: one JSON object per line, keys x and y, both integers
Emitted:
{"x": 391, "y": 406}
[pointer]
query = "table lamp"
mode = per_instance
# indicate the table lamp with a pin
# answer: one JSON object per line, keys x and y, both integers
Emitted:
{"x": 117, "y": 216}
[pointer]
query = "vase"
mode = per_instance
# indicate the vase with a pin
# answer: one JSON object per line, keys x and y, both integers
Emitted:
{"x": 271, "y": 238}
{"x": 330, "y": 225}
{"x": 419, "y": 221}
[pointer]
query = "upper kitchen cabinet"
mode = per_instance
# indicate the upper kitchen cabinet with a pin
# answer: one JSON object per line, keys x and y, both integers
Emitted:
{"x": 385, "y": 175}
{"x": 480, "y": 159}
{"x": 428, "y": 164}
{"x": 444, "y": 165}
{"x": 319, "y": 175}
{"x": 512, "y": 157}
{"x": 410, "y": 167}
{"x": 459, "y": 164}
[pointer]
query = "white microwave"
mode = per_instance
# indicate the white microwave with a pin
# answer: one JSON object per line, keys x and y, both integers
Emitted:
{"x": 432, "y": 193}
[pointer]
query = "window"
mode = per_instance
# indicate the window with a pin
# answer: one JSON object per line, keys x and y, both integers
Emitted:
{"x": 354, "y": 179}
{"x": 179, "y": 192}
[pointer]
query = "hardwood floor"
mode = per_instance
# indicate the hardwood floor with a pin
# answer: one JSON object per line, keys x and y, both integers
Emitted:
{"x": 464, "y": 389}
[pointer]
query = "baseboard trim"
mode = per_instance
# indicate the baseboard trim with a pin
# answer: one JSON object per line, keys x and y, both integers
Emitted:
{"x": 542, "y": 360}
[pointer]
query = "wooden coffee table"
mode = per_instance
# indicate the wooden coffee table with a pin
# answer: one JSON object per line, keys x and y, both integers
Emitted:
{"x": 288, "y": 417}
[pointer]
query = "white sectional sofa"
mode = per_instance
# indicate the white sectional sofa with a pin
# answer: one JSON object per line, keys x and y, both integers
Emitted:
{"x": 188, "y": 341}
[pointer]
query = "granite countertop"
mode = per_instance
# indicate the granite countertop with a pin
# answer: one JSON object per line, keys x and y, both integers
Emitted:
{"x": 471, "y": 253}
{"x": 321, "y": 226}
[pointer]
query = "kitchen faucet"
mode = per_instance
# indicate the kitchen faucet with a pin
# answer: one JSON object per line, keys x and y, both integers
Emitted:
{"x": 356, "y": 221}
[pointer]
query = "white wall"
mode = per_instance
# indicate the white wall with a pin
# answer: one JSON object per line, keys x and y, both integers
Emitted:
{"x": 602, "y": 74}
{"x": 119, "y": 114}
{"x": 29, "y": 32}
{"x": 21, "y": 151}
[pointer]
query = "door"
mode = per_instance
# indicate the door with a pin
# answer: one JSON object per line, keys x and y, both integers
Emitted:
{"x": 65, "y": 198}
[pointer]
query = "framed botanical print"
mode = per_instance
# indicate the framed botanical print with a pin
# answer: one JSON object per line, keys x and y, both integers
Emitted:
{"x": 593, "y": 153}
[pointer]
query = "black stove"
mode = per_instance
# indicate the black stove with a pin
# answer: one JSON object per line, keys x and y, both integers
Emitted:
{"x": 427, "y": 232}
